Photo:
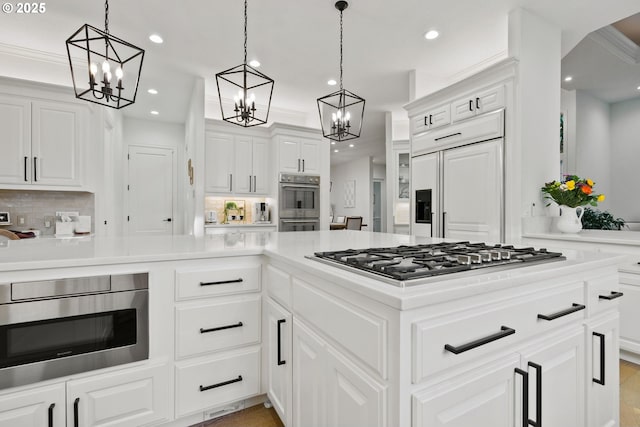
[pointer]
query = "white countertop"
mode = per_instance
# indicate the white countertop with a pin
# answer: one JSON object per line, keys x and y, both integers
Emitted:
{"x": 240, "y": 225}
{"x": 613, "y": 237}
{"x": 290, "y": 248}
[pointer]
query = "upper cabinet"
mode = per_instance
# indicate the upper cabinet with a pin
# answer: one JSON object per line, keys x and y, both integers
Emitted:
{"x": 477, "y": 103}
{"x": 299, "y": 155}
{"x": 431, "y": 119}
{"x": 236, "y": 164}
{"x": 41, "y": 142}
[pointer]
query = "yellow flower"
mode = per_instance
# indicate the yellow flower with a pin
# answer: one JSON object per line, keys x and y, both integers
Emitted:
{"x": 601, "y": 198}
{"x": 571, "y": 185}
{"x": 589, "y": 182}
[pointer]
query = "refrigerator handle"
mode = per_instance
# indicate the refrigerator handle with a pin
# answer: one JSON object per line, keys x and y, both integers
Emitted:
{"x": 431, "y": 224}
{"x": 444, "y": 223}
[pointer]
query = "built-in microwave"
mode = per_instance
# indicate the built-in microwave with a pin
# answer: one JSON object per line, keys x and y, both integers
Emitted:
{"x": 53, "y": 328}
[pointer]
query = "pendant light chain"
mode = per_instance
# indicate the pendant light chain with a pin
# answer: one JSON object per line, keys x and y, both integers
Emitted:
{"x": 245, "y": 32}
{"x": 341, "y": 50}
{"x": 106, "y": 16}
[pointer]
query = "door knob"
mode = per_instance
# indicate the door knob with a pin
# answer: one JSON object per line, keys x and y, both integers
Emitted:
{"x": 167, "y": 220}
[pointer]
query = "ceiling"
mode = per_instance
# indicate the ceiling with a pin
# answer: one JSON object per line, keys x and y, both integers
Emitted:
{"x": 600, "y": 67}
{"x": 297, "y": 44}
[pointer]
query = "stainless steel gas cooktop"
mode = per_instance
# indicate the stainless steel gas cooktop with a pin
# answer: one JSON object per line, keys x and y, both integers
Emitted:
{"x": 411, "y": 265}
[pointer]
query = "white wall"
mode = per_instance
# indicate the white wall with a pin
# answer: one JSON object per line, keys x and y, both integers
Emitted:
{"x": 379, "y": 171}
{"x": 193, "y": 195}
{"x": 568, "y": 107}
{"x": 624, "y": 192}
{"x": 592, "y": 154}
{"x": 360, "y": 171}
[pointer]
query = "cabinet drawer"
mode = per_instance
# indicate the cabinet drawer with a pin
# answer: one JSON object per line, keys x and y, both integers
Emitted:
{"x": 603, "y": 293}
{"x": 217, "y": 381}
{"x": 482, "y": 128}
{"x": 218, "y": 281}
{"x": 217, "y": 325}
{"x": 476, "y": 332}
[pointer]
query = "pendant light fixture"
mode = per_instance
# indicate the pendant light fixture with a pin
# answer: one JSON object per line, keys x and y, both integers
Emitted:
{"x": 105, "y": 55}
{"x": 341, "y": 112}
{"x": 244, "y": 92}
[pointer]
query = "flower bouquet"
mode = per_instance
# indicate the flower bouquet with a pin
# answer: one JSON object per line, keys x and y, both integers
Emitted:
{"x": 571, "y": 195}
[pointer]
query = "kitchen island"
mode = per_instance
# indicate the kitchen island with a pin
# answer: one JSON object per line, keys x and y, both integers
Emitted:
{"x": 330, "y": 346}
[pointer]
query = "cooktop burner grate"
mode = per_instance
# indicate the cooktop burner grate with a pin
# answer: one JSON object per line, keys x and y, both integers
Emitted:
{"x": 405, "y": 262}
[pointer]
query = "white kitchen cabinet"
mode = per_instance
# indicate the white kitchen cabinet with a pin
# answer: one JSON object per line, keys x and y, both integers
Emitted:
{"x": 431, "y": 119}
{"x": 483, "y": 396}
{"x": 629, "y": 313}
{"x": 236, "y": 164}
{"x": 603, "y": 392}
{"x": 43, "y": 142}
{"x": 279, "y": 362}
{"x": 38, "y": 407}
{"x": 480, "y": 102}
{"x": 127, "y": 398}
{"x": 426, "y": 189}
{"x": 557, "y": 365}
{"x": 299, "y": 155}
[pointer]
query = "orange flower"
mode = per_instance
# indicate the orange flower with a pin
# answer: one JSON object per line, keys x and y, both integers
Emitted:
{"x": 586, "y": 189}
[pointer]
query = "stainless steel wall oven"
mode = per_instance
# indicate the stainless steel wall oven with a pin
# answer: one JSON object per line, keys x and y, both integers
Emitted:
{"x": 54, "y": 328}
{"x": 299, "y": 202}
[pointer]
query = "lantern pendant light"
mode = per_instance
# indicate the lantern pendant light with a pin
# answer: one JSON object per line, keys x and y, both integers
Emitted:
{"x": 341, "y": 112}
{"x": 105, "y": 56}
{"x": 244, "y": 92}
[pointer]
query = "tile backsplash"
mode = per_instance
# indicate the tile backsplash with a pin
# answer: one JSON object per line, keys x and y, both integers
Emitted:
{"x": 35, "y": 206}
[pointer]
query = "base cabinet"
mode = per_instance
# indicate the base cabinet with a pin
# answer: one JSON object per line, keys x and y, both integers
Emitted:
{"x": 309, "y": 386}
{"x": 279, "y": 361}
{"x": 39, "y": 407}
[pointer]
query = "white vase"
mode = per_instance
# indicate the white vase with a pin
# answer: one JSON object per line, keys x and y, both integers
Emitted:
{"x": 570, "y": 219}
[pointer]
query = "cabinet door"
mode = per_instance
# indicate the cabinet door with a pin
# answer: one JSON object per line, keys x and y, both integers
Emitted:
{"x": 279, "y": 360}
{"x": 56, "y": 143}
{"x": 425, "y": 176}
{"x": 310, "y": 155}
{"x": 472, "y": 192}
{"x": 561, "y": 375}
{"x": 402, "y": 176}
{"x": 482, "y": 397}
{"x": 490, "y": 99}
{"x": 131, "y": 397}
{"x": 261, "y": 168}
{"x": 353, "y": 398}
{"x": 463, "y": 108}
{"x": 219, "y": 161}
{"x": 243, "y": 172}
{"x": 440, "y": 116}
{"x": 603, "y": 380}
{"x": 309, "y": 376}
{"x": 15, "y": 140}
{"x": 289, "y": 156}
{"x": 629, "y": 313}
{"x": 39, "y": 407}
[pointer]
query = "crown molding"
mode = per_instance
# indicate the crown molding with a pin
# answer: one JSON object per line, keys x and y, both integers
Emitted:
{"x": 34, "y": 54}
{"x": 617, "y": 43}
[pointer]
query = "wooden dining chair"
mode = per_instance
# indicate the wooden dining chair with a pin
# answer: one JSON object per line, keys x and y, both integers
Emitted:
{"x": 354, "y": 223}
{"x": 6, "y": 234}
{"x": 340, "y": 219}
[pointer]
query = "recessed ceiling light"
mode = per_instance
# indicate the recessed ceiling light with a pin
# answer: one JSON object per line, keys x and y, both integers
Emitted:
{"x": 351, "y": 145}
{"x": 638, "y": 87}
{"x": 333, "y": 143}
{"x": 155, "y": 38}
{"x": 332, "y": 82}
{"x": 254, "y": 63}
{"x": 336, "y": 150}
{"x": 154, "y": 112}
{"x": 430, "y": 35}
{"x": 153, "y": 91}
{"x": 568, "y": 79}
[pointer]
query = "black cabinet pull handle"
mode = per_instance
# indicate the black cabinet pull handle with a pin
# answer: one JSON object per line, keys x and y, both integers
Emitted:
{"x": 573, "y": 309}
{"x": 525, "y": 396}
{"x": 505, "y": 331}
{"x": 471, "y": 105}
{"x": 51, "y": 414}
{"x": 611, "y": 296}
{"x": 538, "y": 421}
{"x": 298, "y": 165}
{"x": 602, "y": 359}
{"x": 430, "y": 119}
{"x": 448, "y": 136}
{"x": 444, "y": 222}
{"x": 221, "y": 328}
{"x": 26, "y": 160}
{"x": 35, "y": 169}
{"x": 302, "y": 165}
{"x": 426, "y": 122}
{"x": 477, "y": 103}
{"x": 280, "y": 361}
{"x": 76, "y": 416}
{"x": 221, "y": 282}
{"x": 209, "y": 387}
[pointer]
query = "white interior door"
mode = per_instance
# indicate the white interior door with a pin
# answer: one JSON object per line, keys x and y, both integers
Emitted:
{"x": 151, "y": 190}
{"x": 472, "y": 192}
{"x": 424, "y": 176}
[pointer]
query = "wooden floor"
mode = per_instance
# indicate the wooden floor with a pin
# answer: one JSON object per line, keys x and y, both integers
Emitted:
{"x": 259, "y": 416}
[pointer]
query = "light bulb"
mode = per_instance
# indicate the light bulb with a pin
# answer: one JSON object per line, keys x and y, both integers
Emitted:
{"x": 339, "y": 114}
{"x": 108, "y": 76}
{"x": 236, "y": 99}
{"x": 106, "y": 67}
{"x": 119, "y": 73}
{"x": 333, "y": 117}
{"x": 93, "y": 68}
{"x": 252, "y": 98}
{"x": 347, "y": 116}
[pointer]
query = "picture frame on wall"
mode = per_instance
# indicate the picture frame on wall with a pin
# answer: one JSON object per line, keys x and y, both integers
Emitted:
{"x": 5, "y": 218}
